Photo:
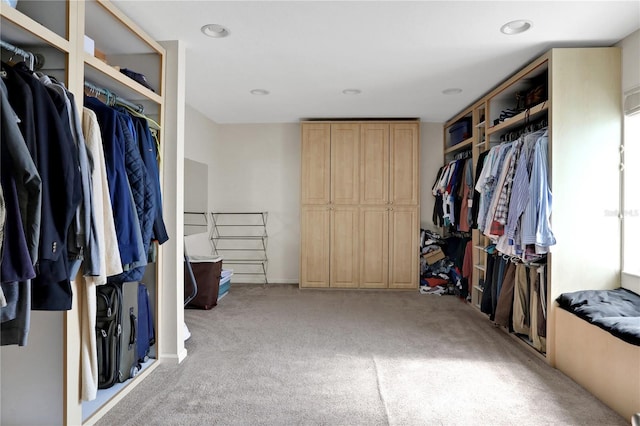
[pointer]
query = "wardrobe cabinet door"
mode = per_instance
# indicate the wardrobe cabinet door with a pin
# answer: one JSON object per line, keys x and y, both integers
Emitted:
{"x": 374, "y": 247}
{"x": 316, "y": 169}
{"x": 345, "y": 164}
{"x": 403, "y": 246}
{"x": 404, "y": 153}
{"x": 344, "y": 265}
{"x": 314, "y": 246}
{"x": 374, "y": 164}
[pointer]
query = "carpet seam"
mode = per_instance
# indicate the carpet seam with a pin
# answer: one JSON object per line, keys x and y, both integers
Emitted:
{"x": 384, "y": 403}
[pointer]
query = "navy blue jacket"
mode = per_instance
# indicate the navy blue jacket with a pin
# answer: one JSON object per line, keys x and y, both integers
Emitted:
{"x": 142, "y": 191}
{"x": 149, "y": 156}
{"x": 113, "y": 141}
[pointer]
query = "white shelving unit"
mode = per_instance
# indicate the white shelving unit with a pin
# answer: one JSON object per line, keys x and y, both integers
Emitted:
{"x": 241, "y": 239}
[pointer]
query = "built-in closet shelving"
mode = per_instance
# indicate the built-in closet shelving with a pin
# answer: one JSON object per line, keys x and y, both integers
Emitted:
{"x": 56, "y": 30}
{"x": 582, "y": 109}
{"x": 479, "y": 242}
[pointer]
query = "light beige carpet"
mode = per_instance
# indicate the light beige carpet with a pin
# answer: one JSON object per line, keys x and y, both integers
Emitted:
{"x": 278, "y": 355}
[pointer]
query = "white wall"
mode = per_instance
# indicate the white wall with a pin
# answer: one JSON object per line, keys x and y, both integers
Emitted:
{"x": 256, "y": 167}
{"x": 31, "y": 377}
{"x": 201, "y": 136}
{"x": 431, "y": 158}
{"x": 630, "y": 46}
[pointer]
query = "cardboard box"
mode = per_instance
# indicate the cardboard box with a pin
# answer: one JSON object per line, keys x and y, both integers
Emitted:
{"x": 434, "y": 256}
{"x": 100, "y": 55}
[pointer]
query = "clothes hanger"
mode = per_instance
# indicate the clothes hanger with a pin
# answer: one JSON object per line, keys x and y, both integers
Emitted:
{"x": 152, "y": 123}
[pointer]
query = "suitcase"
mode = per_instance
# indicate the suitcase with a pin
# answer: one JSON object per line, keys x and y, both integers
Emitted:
{"x": 207, "y": 273}
{"x": 108, "y": 331}
{"x": 146, "y": 330}
{"x": 129, "y": 365}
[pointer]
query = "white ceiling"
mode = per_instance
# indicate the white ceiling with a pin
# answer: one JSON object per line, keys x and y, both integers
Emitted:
{"x": 401, "y": 55}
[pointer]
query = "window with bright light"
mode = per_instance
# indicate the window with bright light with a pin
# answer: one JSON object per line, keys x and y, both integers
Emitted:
{"x": 631, "y": 195}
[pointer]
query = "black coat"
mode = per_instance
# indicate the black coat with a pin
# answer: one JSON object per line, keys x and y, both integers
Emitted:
{"x": 54, "y": 153}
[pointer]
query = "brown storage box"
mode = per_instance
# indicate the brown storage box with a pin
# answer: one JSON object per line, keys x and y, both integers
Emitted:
{"x": 207, "y": 274}
{"x": 434, "y": 256}
{"x": 100, "y": 55}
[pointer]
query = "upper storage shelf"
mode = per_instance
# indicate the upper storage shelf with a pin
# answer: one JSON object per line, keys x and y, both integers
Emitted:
{"x": 119, "y": 43}
{"x": 36, "y": 24}
{"x": 465, "y": 144}
{"x": 32, "y": 22}
{"x": 532, "y": 114}
{"x": 458, "y": 133}
{"x": 114, "y": 33}
{"x": 523, "y": 99}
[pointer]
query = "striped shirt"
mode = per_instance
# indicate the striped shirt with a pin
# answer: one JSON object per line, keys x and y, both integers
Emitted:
{"x": 536, "y": 225}
{"x": 505, "y": 193}
{"x": 520, "y": 185}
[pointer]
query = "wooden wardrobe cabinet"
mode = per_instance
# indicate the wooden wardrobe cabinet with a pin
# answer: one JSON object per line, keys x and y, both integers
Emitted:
{"x": 359, "y": 213}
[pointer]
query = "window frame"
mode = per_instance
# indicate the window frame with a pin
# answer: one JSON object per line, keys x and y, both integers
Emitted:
{"x": 630, "y": 278}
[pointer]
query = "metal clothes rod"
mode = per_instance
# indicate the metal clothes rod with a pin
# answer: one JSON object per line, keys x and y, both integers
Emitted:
{"x": 112, "y": 98}
{"x": 26, "y": 55}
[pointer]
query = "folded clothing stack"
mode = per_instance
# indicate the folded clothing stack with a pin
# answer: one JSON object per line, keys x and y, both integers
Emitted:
{"x": 140, "y": 78}
{"x": 506, "y": 114}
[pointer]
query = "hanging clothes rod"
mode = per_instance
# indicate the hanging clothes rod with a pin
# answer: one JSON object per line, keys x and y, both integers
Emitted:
{"x": 462, "y": 155}
{"x": 112, "y": 98}
{"x": 16, "y": 50}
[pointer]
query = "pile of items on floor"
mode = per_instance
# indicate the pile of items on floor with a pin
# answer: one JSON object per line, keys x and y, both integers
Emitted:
{"x": 444, "y": 268}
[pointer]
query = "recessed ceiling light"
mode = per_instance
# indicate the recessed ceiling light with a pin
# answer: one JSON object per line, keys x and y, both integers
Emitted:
{"x": 352, "y": 91}
{"x": 452, "y": 91}
{"x": 516, "y": 27}
{"x": 259, "y": 92}
{"x": 214, "y": 30}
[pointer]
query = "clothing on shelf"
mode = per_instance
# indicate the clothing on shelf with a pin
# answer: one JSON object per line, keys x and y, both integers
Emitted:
{"x": 453, "y": 190}
{"x": 44, "y": 125}
{"x": 444, "y": 275}
{"x": 514, "y": 296}
{"x": 514, "y": 199}
{"x": 134, "y": 185}
{"x": 79, "y": 200}
{"x": 476, "y": 195}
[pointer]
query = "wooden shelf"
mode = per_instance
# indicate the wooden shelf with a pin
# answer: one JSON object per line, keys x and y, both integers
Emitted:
{"x": 108, "y": 398}
{"x": 116, "y": 81}
{"x": 20, "y": 29}
{"x": 518, "y": 120}
{"x": 465, "y": 143}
